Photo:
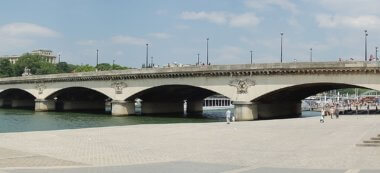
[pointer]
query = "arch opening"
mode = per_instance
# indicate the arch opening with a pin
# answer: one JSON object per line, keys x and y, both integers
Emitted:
{"x": 16, "y": 98}
{"x": 172, "y": 100}
{"x": 286, "y": 102}
{"x": 79, "y": 99}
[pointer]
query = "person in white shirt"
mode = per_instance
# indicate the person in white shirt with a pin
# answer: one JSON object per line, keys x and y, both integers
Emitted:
{"x": 228, "y": 116}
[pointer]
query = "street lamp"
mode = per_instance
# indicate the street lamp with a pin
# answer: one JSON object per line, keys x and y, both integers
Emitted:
{"x": 146, "y": 63}
{"x": 377, "y": 49}
{"x": 282, "y": 34}
{"x": 207, "y": 51}
{"x": 311, "y": 54}
{"x": 365, "y": 44}
{"x": 251, "y": 56}
{"x": 97, "y": 57}
{"x": 198, "y": 59}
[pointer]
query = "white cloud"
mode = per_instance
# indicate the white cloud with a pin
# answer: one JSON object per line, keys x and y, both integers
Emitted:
{"x": 361, "y": 22}
{"x": 243, "y": 20}
{"x": 214, "y": 17}
{"x": 27, "y": 29}
{"x": 261, "y": 4}
{"x": 124, "y": 39}
{"x": 224, "y": 18}
{"x": 160, "y": 35}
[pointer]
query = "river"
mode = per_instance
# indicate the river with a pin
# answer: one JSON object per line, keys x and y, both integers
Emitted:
{"x": 15, "y": 120}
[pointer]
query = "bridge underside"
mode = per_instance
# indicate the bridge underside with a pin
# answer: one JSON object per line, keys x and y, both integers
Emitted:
{"x": 16, "y": 98}
{"x": 73, "y": 99}
{"x": 286, "y": 102}
{"x": 167, "y": 99}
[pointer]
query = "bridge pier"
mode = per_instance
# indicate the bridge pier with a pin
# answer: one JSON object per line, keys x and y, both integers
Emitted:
{"x": 162, "y": 107}
{"x": 194, "y": 106}
{"x": 278, "y": 110}
{"x": 42, "y": 105}
{"x": 121, "y": 107}
{"x": 245, "y": 111}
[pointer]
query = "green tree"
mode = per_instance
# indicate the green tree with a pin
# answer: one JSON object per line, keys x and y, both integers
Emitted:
{"x": 36, "y": 63}
{"x": 84, "y": 68}
{"x": 119, "y": 67}
{"x": 64, "y": 67}
{"x": 104, "y": 67}
{"x": 6, "y": 68}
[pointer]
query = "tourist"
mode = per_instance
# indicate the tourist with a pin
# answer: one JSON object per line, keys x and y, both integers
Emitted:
{"x": 228, "y": 116}
{"x": 322, "y": 120}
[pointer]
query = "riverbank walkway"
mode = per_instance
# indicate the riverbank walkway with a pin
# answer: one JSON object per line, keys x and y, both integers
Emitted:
{"x": 285, "y": 145}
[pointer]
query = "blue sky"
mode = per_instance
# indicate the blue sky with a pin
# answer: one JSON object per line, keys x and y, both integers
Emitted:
{"x": 177, "y": 29}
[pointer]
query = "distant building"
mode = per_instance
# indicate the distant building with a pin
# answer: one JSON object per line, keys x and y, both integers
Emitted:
{"x": 46, "y": 54}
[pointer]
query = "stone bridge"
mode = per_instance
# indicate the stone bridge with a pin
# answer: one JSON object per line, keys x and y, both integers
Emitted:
{"x": 257, "y": 91}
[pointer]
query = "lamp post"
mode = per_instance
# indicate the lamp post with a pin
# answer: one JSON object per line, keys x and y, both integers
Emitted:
{"x": 207, "y": 51}
{"x": 282, "y": 34}
{"x": 59, "y": 58}
{"x": 147, "y": 49}
{"x": 376, "y": 50}
{"x": 365, "y": 45}
{"x": 97, "y": 57}
{"x": 251, "y": 56}
{"x": 198, "y": 59}
{"x": 151, "y": 61}
{"x": 311, "y": 54}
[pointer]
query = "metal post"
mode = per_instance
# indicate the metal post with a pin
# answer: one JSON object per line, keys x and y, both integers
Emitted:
{"x": 251, "y": 56}
{"x": 198, "y": 59}
{"x": 113, "y": 63}
{"x": 146, "y": 63}
{"x": 59, "y": 58}
{"x": 97, "y": 57}
{"x": 311, "y": 54}
{"x": 365, "y": 44}
{"x": 281, "y": 44}
{"x": 151, "y": 61}
{"x": 207, "y": 51}
{"x": 376, "y": 50}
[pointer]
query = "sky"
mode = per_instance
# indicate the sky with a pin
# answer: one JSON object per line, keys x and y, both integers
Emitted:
{"x": 176, "y": 30}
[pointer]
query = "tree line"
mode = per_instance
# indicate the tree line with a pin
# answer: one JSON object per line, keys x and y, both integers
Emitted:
{"x": 38, "y": 65}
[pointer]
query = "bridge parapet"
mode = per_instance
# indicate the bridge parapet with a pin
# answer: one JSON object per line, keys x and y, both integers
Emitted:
{"x": 206, "y": 71}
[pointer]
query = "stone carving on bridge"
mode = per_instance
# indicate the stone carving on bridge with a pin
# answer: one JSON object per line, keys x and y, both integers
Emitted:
{"x": 242, "y": 85}
{"x": 119, "y": 86}
{"x": 40, "y": 87}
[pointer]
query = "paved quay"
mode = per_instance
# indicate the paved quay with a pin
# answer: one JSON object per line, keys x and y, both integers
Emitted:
{"x": 284, "y": 145}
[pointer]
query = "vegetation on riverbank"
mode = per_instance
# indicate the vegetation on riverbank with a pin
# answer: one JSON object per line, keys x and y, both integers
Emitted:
{"x": 39, "y": 66}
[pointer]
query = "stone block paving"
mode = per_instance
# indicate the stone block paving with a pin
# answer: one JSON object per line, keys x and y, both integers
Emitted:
{"x": 301, "y": 144}
{"x": 13, "y": 158}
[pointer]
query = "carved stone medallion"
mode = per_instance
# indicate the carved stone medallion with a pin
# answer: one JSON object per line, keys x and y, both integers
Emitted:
{"x": 119, "y": 86}
{"x": 40, "y": 87}
{"x": 242, "y": 85}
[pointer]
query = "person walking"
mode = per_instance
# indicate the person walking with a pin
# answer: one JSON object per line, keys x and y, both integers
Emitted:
{"x": 228, "y": 116}
{"x": 322, "y": 120}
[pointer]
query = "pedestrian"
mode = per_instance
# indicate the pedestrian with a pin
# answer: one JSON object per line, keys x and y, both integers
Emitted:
{"x": 368, "y": 108}
{"x": 228, "y": 116}
{"x": 322, "y": 120}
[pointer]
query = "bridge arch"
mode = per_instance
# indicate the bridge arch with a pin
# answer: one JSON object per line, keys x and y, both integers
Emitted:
{"x": 16, "y": 98}
{"x": 78, "y": 98}
{"x": 286, "y": 101}
{"x": 170, "y": 98}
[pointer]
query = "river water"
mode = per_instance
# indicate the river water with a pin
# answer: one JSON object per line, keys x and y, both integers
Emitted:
{"x": 15, "y": 120}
